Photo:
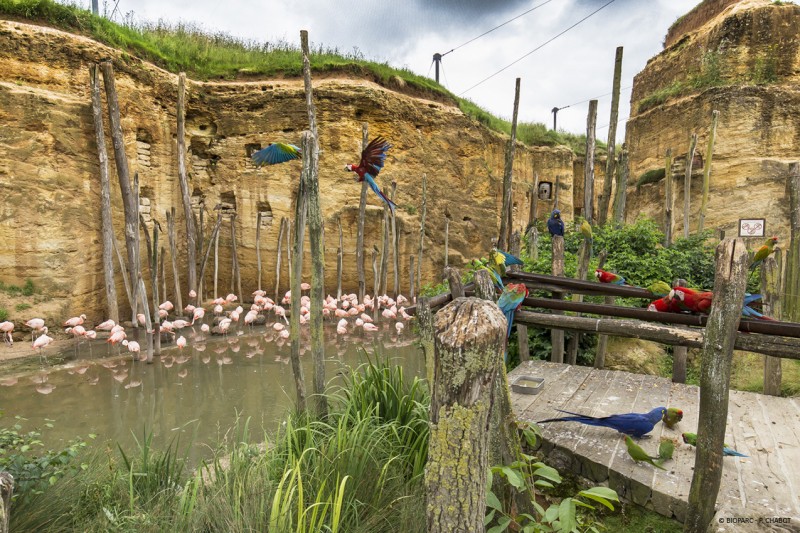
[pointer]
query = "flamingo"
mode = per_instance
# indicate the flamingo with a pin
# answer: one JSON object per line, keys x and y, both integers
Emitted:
{"x": 205, "y": 328}
{"x": 116, "y": 337}
{"x": 250, "y": 317}
{"x": 223, "y": 325}
{"x": 189, "y": 309}
{"x": 231, "y": 298}
{"x": 305, "y": 287}
{"x": 162, "y": 314}
{"x": 280, "y": 311}
{"x": 399, "y": 327}
{"x": 277, "y": 326}
{"x": 284, "y": 334}
{"x": 368, "y": 326}
{"x": 42, "y": 341}
{"x": 116, "y": 329}
{"x": 106, "y": 326}
{"x": 167, "y": 306}
{"x": 6, "y": 328}
{"x": 181, "y": 342}
{"x": 259, "y": 292}
{"x": 192, "y": 294}
{"x": 75, "y": 321}
{"x": 140, "y": 318}
{"x": 180, "y": 324}
{"x": 366, "y": 318}
{"x": 218, "y": 309}
{"x": 199, "y": 313}
{"x": 134, "y": 348}
{"x": 36, "y": 324}
{"x": 91, "y": 334}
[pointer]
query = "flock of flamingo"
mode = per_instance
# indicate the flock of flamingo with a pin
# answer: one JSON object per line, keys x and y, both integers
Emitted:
{"x": 351, "y": 316}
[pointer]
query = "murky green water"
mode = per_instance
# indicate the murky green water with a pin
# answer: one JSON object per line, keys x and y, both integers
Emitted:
{"x": 197, "y": 394}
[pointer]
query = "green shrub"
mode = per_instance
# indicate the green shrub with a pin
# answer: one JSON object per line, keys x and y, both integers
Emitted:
{"x": 651, "y": 176}
{"x": 28, "y": 288}
{"x": 3, "y": 314}
{"x": 22, "y": 306}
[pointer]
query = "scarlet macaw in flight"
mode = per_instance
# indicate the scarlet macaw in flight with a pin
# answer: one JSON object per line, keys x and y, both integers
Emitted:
{"x": 372, "y": 160}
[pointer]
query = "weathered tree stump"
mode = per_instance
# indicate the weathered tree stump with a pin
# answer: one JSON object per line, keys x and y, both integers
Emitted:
{"x": 453, "y": 277}
{"x": 469, "y": 338}
{"x": 557, "y": 335}
{"x": 484, "y": 288}
{"x": 723, "y": 321}
{"x": 6, "y": 490}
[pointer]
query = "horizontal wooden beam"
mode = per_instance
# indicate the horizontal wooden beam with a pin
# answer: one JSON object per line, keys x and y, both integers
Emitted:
{"x": 440, "y": 299}
{"x": 581, "y": 286}
{"x": 786, "y": 348}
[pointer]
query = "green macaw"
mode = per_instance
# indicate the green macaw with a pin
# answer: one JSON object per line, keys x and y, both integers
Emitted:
{"x": 691, "y": 438}
{"x": 659, "y": 288}
{"x": 638, "y": 454}
{"x": 763, "y": 252}
{"x": 672, "y": 416}
{"x": 665, "y": 450}
{"x": 586, "y": 229}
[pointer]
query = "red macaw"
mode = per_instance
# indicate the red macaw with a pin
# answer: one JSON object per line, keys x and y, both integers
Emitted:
{"x": 664, "y": 305}
{"x": 372, "y": 160}
{"x": 691, "y": 300}
{"x": 275, "y": 153}
{"x": 763, "y": 252}
{"x": 510, "y": 301}
{"x": 608, "y": 277}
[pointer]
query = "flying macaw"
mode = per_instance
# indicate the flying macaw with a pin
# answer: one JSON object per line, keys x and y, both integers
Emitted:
{"x": 372, "y": 159}
{"x": 608, "y": 277}
{"x": 638, "y": 454}
{"x": 691, "y": 438}
{"x": 762, "y": 253}
{"x": 659, "y": 288}
{"x": 672, "y": 416}
{"x": 554, "y": 224}
{"x": 633, "y": 424}
{"x": 509, "y": 302}
{"x": 275, "y": 153}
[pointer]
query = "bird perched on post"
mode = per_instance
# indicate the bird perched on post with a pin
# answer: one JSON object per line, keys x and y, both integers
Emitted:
{"x": 691, "y": 439}
{"x": 633, "y": 424}
{"x": 275, "y": 153}
{"x": 509, "y": 302}
{"x": 762, "y": 253}
{"x": 638, "y": 454}
{"x": 586, "y": 229}
{"x": 372, "y": 159}
{"x": 554, "y": 224}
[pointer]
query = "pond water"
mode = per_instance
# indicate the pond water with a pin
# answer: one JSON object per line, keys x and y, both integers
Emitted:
{"x": 196, "y": 393}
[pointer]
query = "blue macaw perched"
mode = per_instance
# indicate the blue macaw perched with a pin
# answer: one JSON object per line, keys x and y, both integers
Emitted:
{"x": 509, "y": 302}
{"x": 276, "y": 153}
{"x": 372, "y": 159}
{"x": 554, "y": 224}
{"x": 633, "y": 424}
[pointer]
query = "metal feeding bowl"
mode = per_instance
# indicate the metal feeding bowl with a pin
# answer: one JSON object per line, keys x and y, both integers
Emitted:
{"x": 527, "y": 385}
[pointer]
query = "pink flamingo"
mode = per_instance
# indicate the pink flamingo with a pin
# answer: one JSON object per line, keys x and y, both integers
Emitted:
{"x": 231, "y": 298}
{"x": 106, "y": 326}
{"x": 281, "y": 312}
{"x": 6, "y": 328}
{"x": 181, "y": 342}
{"x": 167, "y": 306}
{"x": 205, "y": 328}
{"x": 305, "y": 287}
{"x": 75, "y": 321}
{"x": 42, "y": 341}
{"x": 192, "y": 294}
{"x": 370, "y": 327}
{"x": 199, "y": 313}
{"x": 399, "y": 327}
{"x": 36, "y": 324}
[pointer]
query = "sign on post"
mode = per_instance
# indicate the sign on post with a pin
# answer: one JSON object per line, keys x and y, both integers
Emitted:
{"x": 752, "y": 227}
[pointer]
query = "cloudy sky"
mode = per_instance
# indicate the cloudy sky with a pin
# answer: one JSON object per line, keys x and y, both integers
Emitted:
{"x": 570, "y": 70}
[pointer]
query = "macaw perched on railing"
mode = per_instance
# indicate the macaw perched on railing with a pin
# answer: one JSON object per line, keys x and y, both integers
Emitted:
{"x": 509, "y": 302}
{"x": 372, "y": 159}
{"x": 275, "y": 153}
{"x": 700, "y": 302}
{"x": 499, "y": 261}
{"x": 604, "y": 276}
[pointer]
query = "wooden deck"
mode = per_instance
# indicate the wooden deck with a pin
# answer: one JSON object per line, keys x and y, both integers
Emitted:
{"x": 766, "y": 485}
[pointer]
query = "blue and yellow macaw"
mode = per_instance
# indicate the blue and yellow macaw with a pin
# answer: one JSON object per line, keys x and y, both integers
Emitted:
{"x": 499, "y": 260}
{"x": 509, "y": 302}
{"x": 275, "y": 153}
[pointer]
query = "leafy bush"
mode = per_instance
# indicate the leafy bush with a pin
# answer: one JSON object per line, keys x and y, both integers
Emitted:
{"x": 28, "y": 288}
{"x": 22, "y": 306}
{"x": 651, "y": 176}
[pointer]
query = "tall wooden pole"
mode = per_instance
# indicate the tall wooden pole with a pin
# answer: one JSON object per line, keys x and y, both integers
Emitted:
{"x": 791, "y": 285}
{"x": 679, "y": 353}
{"x": 411, "y": 285}
{"x": 216, "y": 264}
{"x": 200, "y": 286}
{"x": 423, "y": 211}
{"x": 295, "y": 277}
{"x": 112, "y": 306}
{"x": 237, "y": 275}
{"x": 170, "y": 214}
{"x": 278, "y": 260}
{"x": 557, "y": 335}
{"x": 376, "y": 283}
{"x": 669, "y": 199}
{"x": 715, "y": 372}
{"x": 362, "y": 207}
{"x": 446, "y": 243}
{"x": 384, "y": 273}
{"x": 339, "y": 260}
{"x": 605, "y": 198}
{"x": 687, "y": 184}
{"x": 310, "y": 147}
{"x": 505, "y": 211}
{"x": 395, "y": 246}
{"x": 129, "y": 204}
{"x": 588, "y": 170}
{"x": 156, "y": 298}
{"x": 148, "y": 325}
{"x": 214, "y": 237}
{"x": 771, "y": 290}
{"x": 191, "y": 233}
{"x": 258, "y": 247}
{"x": 622, "y": 187}
{"x": 712, "y": 134}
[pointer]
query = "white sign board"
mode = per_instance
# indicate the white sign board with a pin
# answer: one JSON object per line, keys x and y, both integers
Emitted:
{"x": 752, "y": 227}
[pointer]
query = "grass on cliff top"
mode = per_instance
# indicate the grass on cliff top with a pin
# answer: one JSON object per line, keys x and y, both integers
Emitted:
{"x": 204, "y": 55}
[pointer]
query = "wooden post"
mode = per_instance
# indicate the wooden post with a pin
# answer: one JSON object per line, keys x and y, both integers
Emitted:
{"x": 6, "y": 490}
{"x": 453, "y": 277}
{"x": 362, "y": 207}
{"x": 125, "y": 279}
{"x": 236, "y": 277}
{"x": 162, "y": 277}
{"x": 148, "y": 324}
{"x": 214, "y": 237}
{"x": 258, "y": 248}
{"x": 425, "y": 321}
{"x": 669, "y": 199}
{"x": 588, "y": 169}
{"x": 556, "y": 188}
{"x": 446, "y": 242}
{"x": 422, "y": 229}
{"x": 339, "y": 260}
{"x": 557, "y": 335}
{"x": 469, "y": 335}
{"x": 316, "y": 234}
{"x": 200, "y": 287}
{"x": 216, "y": 264}
{"x": 534, "y": 206}
{"x": 154, "y": 279}
{"x": 376, "y": 283}
{"x": 130, "y": 207}
{"x": 515, "y": 244}
{"x": 174, "y": 255}
{"x": 584, "y": 255}
{"x": 484, "y": 286}
{"x": 112, "y": 306}
{"x": 278, "y": 260}
{"x": 411, "y": 292}
{"x": 384, "y": 273}
{"x": 791, "y": 284}
{"x": 605, "y": 198}
{"x": 771, "y": 290}
{"x": 622, "y": 187}
{"x": 505, "y": 210}
{"x": 707, "y": 169}
{"x": 729, "y": 285}
{"x": 679, "y": 353}
{"x": 295, "y": 278}
{"x": 395, "y": 246}
{"x": 191, "y": 234}
{"x": 687, "y": 184}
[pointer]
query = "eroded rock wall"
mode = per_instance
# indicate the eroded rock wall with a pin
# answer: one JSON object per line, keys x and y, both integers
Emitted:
{"x": 50, "y": 213}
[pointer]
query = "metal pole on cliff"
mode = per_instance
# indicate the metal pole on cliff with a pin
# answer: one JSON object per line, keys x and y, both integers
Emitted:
{"x": 505, "y": 211}
{"x": 112, "y": 306}
{"x": 605, "y": 198}
{"x": 437, "y": 59}
{"x": 191, "y": 231}
{"x": 715, "y": 373}
{"x": 362, "y": 206}
{"x": 316, "y": 236}
{"x": 588, "y": 170}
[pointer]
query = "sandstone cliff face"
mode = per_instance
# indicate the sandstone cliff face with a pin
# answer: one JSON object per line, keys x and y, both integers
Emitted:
{"x": 753, "y": 48}
{"x": 50, "y": 214}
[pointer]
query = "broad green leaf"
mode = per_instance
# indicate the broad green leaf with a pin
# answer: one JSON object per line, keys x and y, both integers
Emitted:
{"x": 489, "y": 517}
{"x": 566, "y": 515}
{"x": 551, "y": 514}
{"x": 543, "y": 483}
{"x": 601, "y": 495}
{"x": 493, "y": 502}
{"x": 501, "y": 526}
{"x": 514, "y": 477}
{"x": 548, "y": 472}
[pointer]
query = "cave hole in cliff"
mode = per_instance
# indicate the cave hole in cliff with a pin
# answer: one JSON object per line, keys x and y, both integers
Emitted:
{"x": 198, "y": 199}
{"x": 545, "y": 191}
{"x": 265, "y": 210}
{"x": 251, "y": 148}
{"x": 142, "y": 135}
{"x": 227, "y": 203}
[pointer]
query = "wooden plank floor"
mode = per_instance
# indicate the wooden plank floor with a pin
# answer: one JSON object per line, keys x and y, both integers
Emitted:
{"x": 765, "y": 485}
